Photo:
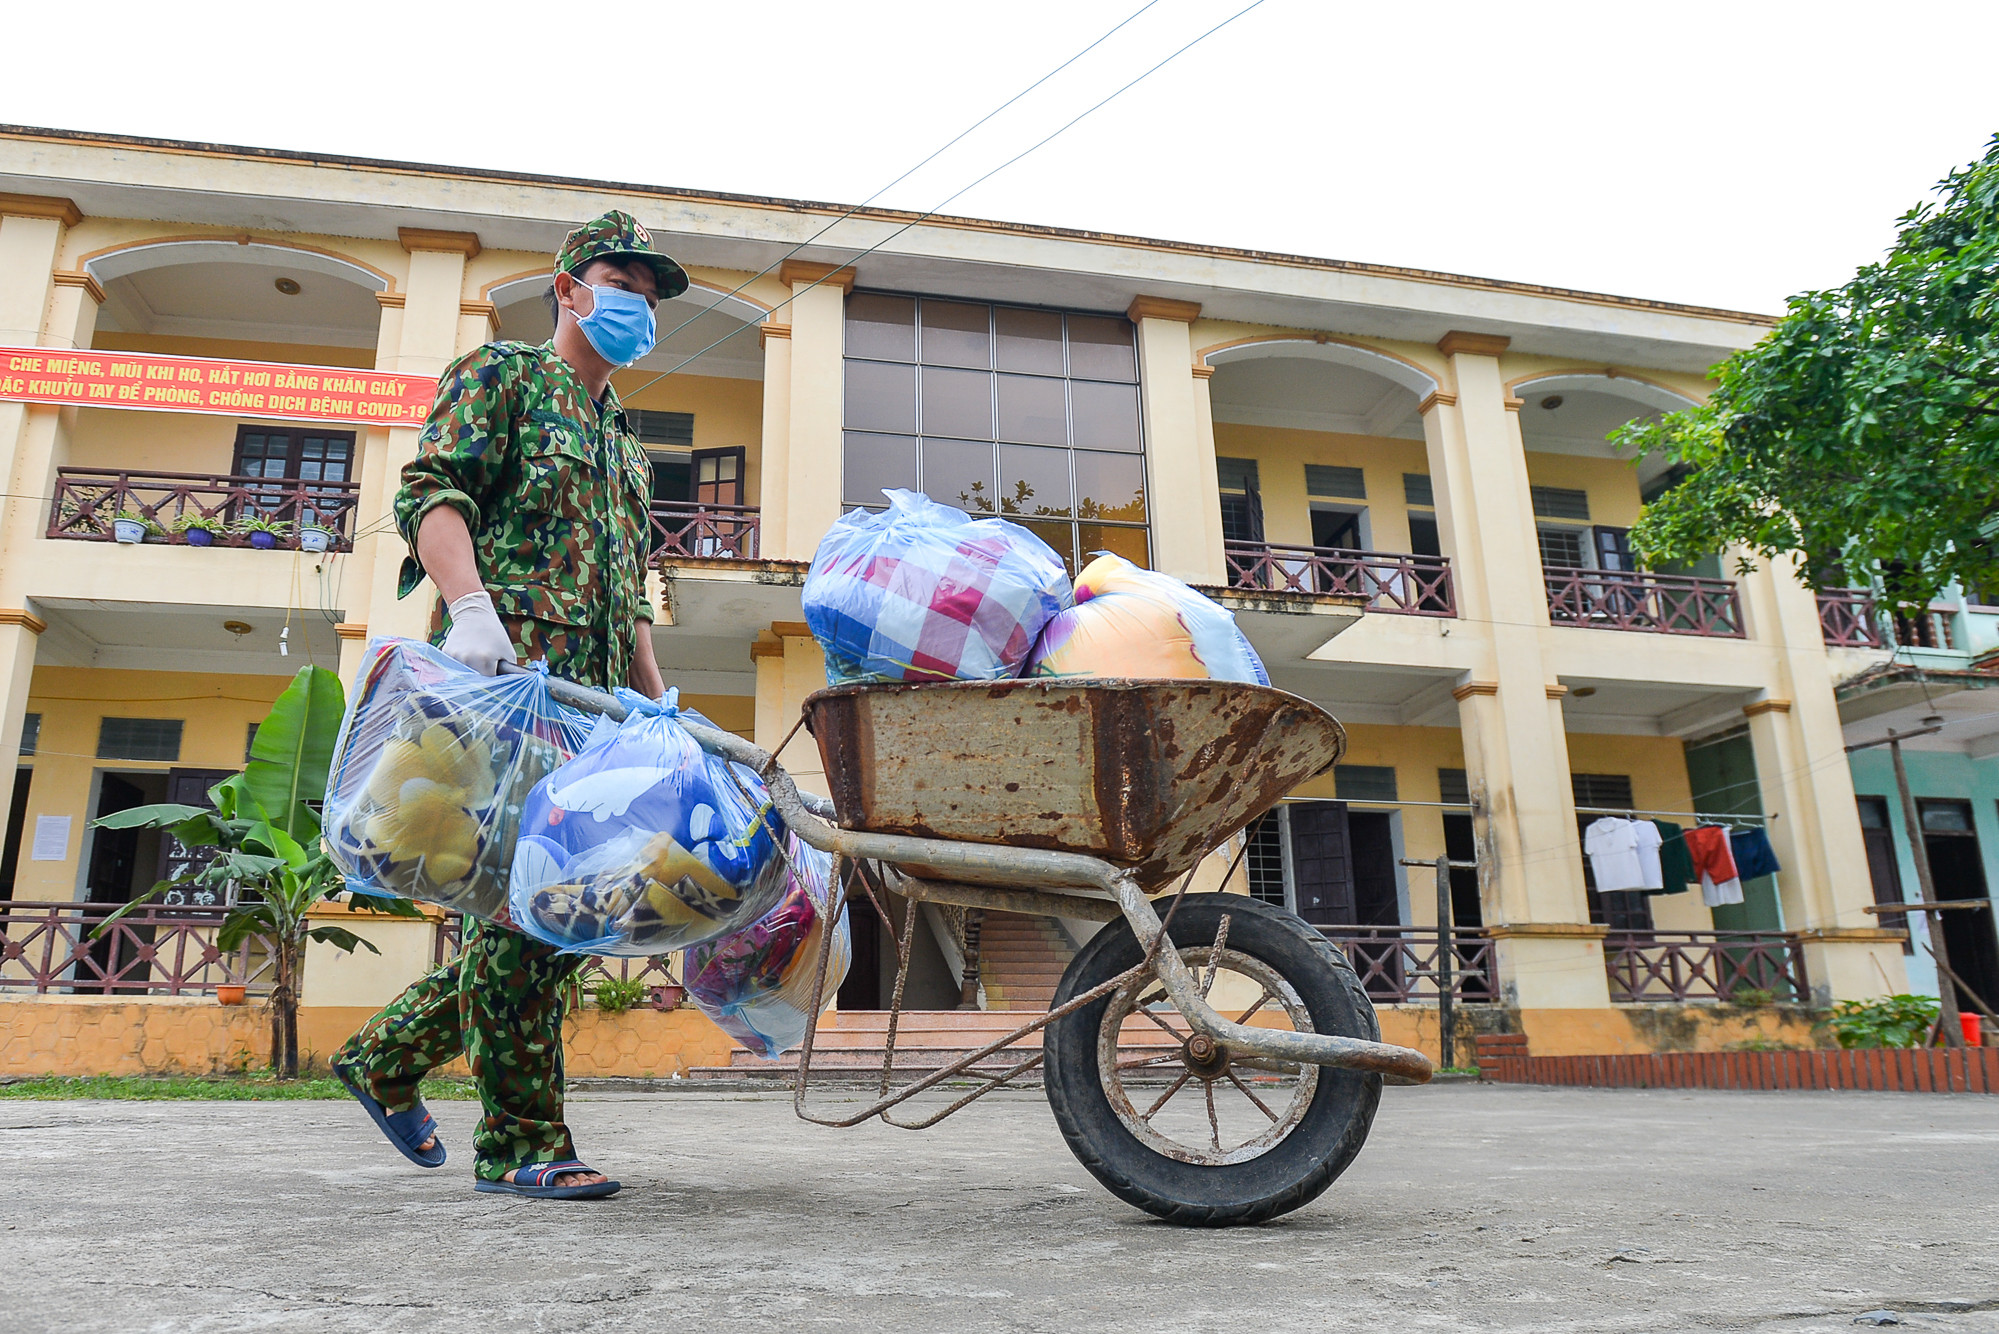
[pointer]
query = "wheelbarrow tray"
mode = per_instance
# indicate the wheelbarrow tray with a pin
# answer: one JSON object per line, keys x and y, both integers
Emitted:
{"x": 1148, "y": 775}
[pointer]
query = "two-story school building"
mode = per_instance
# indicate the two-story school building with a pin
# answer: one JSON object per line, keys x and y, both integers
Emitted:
{"x": 1398, "y": 479}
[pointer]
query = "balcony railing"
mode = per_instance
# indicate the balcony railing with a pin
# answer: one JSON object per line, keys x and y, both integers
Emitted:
{"x": 1705, "y": 965}
{"x": 1413, "y": 585}
{"x": 157, "y": 950}
{"x": 87, "y": 499}
{"x": 1398, "y": 964}
{"x": 1660, "y": 604}
{"x": 715, "y": 532}
{"x": 1848, "y": 618}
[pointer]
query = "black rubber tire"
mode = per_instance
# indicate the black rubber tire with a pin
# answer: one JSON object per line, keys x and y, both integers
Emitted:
{"x": 1294, "y": 1171}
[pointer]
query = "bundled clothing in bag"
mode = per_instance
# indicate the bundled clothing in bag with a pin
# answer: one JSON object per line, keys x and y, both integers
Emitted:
{"x": 756, "y": 984}
{"x": 432, "y": 770}
{"x": 644, "y": 843}
{"x": 1131, "y": 622}
{"x": 924, "y": 592}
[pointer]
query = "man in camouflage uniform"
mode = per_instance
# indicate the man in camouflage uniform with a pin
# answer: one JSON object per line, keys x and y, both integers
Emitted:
{"x": 528, "y": 506}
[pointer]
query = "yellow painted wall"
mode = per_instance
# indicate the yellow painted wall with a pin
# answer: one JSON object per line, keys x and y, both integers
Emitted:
{"x": 731, "y": 713}
{"x": 235, "y": 349}
{"x": 728, "y": 413}
{"x": 1415, "y": 753}
{"x": 1612, "y": 484}
{"x": 1658, "y": 769}
{"x": 1281, "y": 454}
{"x": 217, "y": 712}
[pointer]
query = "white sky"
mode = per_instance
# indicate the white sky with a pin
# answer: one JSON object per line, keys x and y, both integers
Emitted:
{"x": 1717, "y": 153}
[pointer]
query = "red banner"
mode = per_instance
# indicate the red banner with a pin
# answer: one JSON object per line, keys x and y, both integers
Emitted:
{"x": 147, "y": 382}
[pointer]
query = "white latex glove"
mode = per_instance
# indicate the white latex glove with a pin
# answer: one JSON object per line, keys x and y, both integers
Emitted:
{"x": 476, "y": 637}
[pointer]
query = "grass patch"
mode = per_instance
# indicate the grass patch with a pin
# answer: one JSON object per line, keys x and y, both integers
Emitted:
{"x": 204, "y": 1088}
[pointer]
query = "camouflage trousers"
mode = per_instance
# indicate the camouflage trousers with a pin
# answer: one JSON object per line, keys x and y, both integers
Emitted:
{"x": 499, "y": 1004}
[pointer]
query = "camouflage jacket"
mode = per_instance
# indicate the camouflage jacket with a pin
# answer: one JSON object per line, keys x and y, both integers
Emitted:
{"x": 556, "y": 491}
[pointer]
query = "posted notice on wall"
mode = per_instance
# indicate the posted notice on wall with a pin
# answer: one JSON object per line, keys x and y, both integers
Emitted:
{"x": 146, "y": 382}
{"x": 51, "y": 838}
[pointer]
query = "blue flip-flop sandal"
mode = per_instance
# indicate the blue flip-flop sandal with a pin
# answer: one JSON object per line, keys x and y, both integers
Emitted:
{"x": 405, "y": 1130}
{"x": 532, "y": 1182}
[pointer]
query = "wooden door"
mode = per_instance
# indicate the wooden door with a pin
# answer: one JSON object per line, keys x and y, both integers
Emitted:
{"x": 716, "y": 476}
{"x": 1322, "y": 862}
{"x": 187, "y": 787}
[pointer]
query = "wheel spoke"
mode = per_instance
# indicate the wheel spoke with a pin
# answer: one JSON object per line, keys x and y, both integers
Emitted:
{"x": 1251, "y": 1096}
{"x": 1214, "y": 1125}
{"x": 1149, "y": 1060}
{"x": 1170, "y": 1030}
{"x": 1261, "y": 1001}
{"x": 1178, "y": 1084}
{"x": 1215, "y": 958}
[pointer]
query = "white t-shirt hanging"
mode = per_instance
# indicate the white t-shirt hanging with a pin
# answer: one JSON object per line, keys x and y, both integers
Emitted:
{"x": 1612, "y": 846}
{"x": 1647, "y": 837}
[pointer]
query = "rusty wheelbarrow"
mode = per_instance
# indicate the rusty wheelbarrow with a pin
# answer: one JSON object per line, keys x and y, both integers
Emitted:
{"x": 1220, "y": 1065}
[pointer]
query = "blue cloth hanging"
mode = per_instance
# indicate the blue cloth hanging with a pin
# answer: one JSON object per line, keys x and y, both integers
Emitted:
{"x": 1752, "y": 853}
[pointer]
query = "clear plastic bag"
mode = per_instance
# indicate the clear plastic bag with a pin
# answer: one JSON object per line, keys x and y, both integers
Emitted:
{"x": 644, "y": 842}
{"x": 756, "y": 984}
{"x": 924, "y": 592}
{"x": 1129, "y": 622}
{"x": 431, "y": 772}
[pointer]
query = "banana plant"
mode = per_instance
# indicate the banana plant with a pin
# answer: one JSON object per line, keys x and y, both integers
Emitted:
{"x": 268, "y": 865}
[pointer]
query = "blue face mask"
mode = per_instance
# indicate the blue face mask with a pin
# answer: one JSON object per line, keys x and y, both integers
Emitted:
{"x": 620, "y": 324}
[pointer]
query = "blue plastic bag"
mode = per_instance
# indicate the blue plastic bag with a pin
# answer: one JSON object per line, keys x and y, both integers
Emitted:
{"x": 644, "y": 843}
{"x": 925, "y": 592}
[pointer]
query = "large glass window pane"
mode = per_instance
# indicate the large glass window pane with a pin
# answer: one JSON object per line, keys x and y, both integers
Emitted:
{"x": 1130, "y": 543}
{"x": 1032, "y": 410}
{"x": 877, "y": 463}
{"x": 1061, "y": 536}
{"x": 881, "y": 326}
{"x": 957, "y": 403}
{"x": 1034, "y": 482}
{"x": 1106, "y": 415}
{"x": 959, "y": 472}
{"x": 957, "y": 335}
{"x": 881, "y": 397}
{"x": 1100, "y": 348}
{"x": 1029, "y": 340}
{"x": 1110, "y": 486}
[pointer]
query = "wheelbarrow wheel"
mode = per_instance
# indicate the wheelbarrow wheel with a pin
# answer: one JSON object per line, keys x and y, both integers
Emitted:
{"x": 1188, "y": 1131}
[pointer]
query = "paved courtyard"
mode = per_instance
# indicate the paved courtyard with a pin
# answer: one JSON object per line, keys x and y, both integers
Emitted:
{"x": 1472, "y": 1208}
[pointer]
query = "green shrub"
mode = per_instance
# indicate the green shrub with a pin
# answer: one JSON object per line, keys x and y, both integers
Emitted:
{"x": 1892, "y": 1021}
{"x": 1754, "y": 996}
{"x": 615, "y": 995}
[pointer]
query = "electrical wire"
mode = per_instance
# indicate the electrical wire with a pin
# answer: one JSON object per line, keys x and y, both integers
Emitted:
{"x": 955, "y": 140}
{"x": 941, "y": 204}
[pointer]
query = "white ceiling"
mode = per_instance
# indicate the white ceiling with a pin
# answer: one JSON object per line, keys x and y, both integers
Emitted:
{"x": 167, "y": 637}
{"x": 1313, "y": 395}
{"x": 213, "y": 299}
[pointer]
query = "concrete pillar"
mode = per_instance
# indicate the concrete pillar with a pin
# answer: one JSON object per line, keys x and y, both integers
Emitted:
{"x": 1211, "y": 511}
{"x": 1181, "y": 481}
{"x": 1807, "y": 788}
{"x": 32, "y": 228}
{"x": 802, "y": 474}
{"x": 1516, "y": 751}
{"x": 774, "y": 453}
{"x": 789, "y": 667}
{"x": 420, "y": 334}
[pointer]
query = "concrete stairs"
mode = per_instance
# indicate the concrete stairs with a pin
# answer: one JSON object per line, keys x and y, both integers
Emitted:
{"x": 1021, "y": 959}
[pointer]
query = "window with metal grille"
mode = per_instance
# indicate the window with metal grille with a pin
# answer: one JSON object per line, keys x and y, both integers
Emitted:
{"x": 139, "y": 739}
{"x": 1364, "y": 782}
{"x": 1335, "y": 483}
{"x": 1027, "y": 413}
{"x": 1265, "y": 859}
{"x": 31, "y": 732}
{"x": 662, "y": 428}
{"x": 1555, "y": 502}
{"x": 1454, "y": 785}
{"x": 1561, "y": 546}
{"x": 1604, "y": 791}
{"x": 1416, "y": 489}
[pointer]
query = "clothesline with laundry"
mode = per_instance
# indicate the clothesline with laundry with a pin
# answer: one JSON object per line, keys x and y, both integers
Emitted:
{"x": 1659, "y": 857}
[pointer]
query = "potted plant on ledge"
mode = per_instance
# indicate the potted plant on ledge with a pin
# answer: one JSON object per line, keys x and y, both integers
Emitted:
{"x": 314, "y": 536}
{"x": 199, "y": 530}
{"x": 129, "y": 527}
{"x": 263, "y": 533}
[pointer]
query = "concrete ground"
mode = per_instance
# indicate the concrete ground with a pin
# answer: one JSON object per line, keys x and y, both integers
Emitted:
{"x": 1472, "y": 1208}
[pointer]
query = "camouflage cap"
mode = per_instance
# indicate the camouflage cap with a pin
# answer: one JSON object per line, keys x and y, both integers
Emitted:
{"x": 619, "y": 235}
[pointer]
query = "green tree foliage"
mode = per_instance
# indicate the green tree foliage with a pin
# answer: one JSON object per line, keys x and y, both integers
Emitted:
{"x": 268, "y": 865}
{"x": 1863, "y": 432}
